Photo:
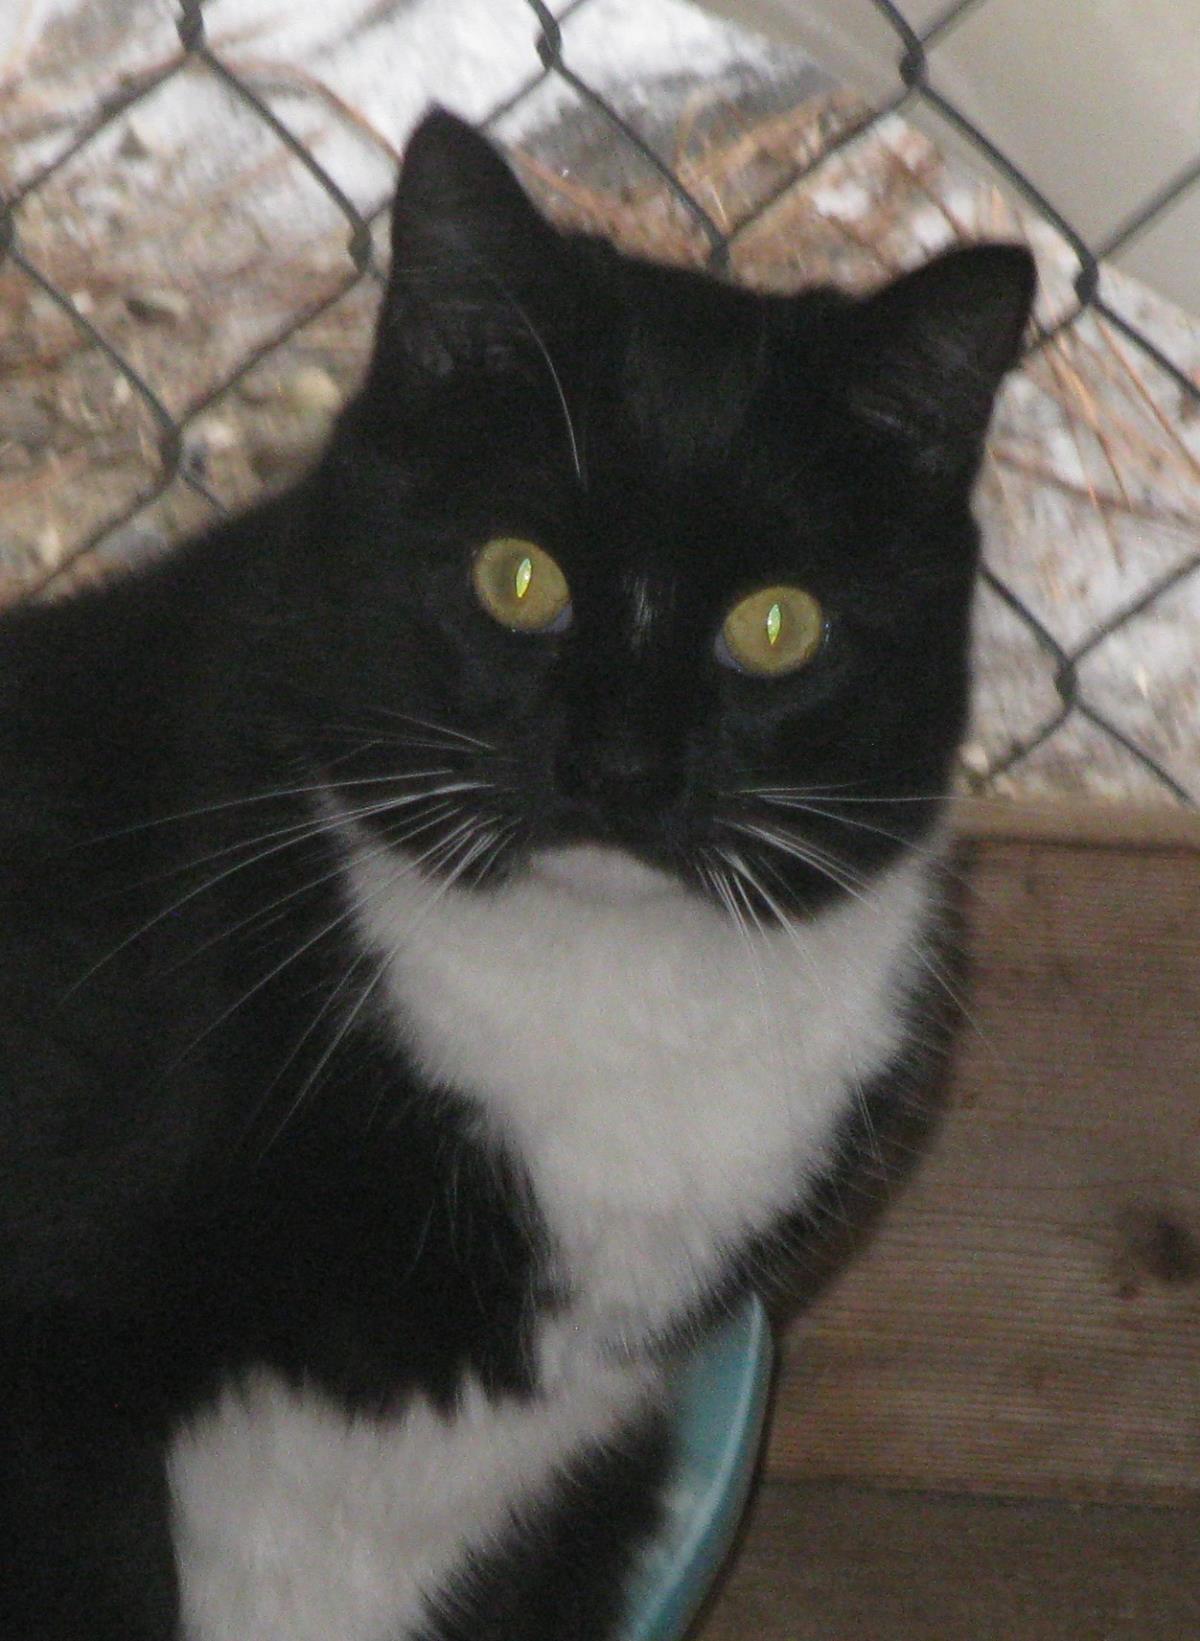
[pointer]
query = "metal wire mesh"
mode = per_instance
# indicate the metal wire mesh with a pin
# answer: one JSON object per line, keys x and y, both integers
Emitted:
{"x": 550, "y": 58}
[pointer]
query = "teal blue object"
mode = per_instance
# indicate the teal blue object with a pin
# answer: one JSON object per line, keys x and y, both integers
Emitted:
{"x": 719, "y": 1410}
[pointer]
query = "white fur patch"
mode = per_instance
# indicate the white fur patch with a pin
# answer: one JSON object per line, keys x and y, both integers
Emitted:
{"x": 591, "y": 871}
{"x": 668, "y": 1083}
{"x": 294, "y": 1522}
{"x": 641, "y": 615}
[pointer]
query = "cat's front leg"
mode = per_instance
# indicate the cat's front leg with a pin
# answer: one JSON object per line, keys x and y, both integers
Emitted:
{"x": 85, "y": 1542}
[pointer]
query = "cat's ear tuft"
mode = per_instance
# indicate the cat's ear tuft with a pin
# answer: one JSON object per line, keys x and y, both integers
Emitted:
{"x": 929, "y": 351}
{"x": 469, "y": 252}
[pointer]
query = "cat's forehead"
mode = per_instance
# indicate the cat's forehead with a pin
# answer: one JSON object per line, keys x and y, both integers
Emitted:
{"x": 705, "y": 406}
{"x": 697, "y": 463}
{"x": 688, "y": 361}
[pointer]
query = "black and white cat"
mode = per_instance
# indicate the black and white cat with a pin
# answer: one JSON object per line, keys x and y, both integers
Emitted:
{"x": 462, "y": 924}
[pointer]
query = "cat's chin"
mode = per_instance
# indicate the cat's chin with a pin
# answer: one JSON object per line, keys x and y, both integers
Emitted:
{"x": 598, "y": 871}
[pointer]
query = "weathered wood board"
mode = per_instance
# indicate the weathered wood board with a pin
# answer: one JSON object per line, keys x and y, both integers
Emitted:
{"x": 833, "y": 1562}
{"x": 1027, "y": 1321}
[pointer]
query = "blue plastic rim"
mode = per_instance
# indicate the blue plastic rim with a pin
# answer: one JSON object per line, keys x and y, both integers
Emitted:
{"x": 719, "y": 1413}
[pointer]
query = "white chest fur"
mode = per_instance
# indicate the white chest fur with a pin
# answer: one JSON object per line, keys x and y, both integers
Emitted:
{"x": 668, "y": 1082}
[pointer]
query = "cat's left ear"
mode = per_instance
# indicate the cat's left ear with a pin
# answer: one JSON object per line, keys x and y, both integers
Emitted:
{"x": 929, "y": 351}
{"x": 470, "y": 258}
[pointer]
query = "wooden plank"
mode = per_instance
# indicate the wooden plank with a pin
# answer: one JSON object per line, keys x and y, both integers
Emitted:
{"x": 1028, "y": 1319}
{"x": 1169, "y": 826}
{"x": 825, "y": 1562}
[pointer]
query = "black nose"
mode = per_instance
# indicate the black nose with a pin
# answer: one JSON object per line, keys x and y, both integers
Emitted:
{"x": 616, "y": 776}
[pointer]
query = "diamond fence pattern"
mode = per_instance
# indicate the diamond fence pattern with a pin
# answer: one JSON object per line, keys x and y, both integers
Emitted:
{"x": 169, "y": 425}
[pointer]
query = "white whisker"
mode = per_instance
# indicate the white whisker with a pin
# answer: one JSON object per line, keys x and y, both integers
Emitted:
{"x": 384, "y": 806}
{"x": 327, "y": 1054}
{"x": 264, "y": 980}
{"x": 823, "y": 812}
{"x": 488, "y": 838}
{"x": 485, "y": 839}
{"x": 434, "y": 728}
{"x": 298, "y": 832}
{"x": 809, "y": 854}
{"x": 441, "y": 813}
{"x": 263, "y": 797}
{"x": 720, "y": 874}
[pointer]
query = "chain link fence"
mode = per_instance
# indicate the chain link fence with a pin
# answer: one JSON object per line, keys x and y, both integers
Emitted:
{"x": 178, "y": 429}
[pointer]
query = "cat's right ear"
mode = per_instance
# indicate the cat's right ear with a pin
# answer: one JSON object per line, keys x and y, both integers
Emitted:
{"x": 470, "y": 259}
{"x": 927, "y": 353}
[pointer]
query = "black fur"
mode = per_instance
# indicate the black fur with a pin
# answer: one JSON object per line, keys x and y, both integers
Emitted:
{"x": 198, "y": 1173}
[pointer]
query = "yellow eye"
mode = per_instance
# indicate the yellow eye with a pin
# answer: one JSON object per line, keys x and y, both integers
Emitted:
{"x": 520, "y": 586}
{"x": 773, "y": 631}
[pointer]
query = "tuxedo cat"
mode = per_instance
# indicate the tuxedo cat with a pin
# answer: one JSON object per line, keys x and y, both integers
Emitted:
{"x": 463, "y": 924}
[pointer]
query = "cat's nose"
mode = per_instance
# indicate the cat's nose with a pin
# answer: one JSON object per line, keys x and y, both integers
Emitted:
{"x": 617, "y": 775}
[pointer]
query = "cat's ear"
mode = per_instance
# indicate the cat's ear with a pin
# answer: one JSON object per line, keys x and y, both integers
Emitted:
{"x": 928, "y": 352}
{"x": 469, "y": 256}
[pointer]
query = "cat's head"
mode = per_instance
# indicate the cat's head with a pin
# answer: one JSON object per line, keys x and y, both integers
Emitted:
{"x": 615, "y": 554}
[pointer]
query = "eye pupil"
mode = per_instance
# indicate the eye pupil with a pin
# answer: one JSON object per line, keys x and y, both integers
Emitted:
{"x": 772, "y": 632}
{"x": 520, "y": 585}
